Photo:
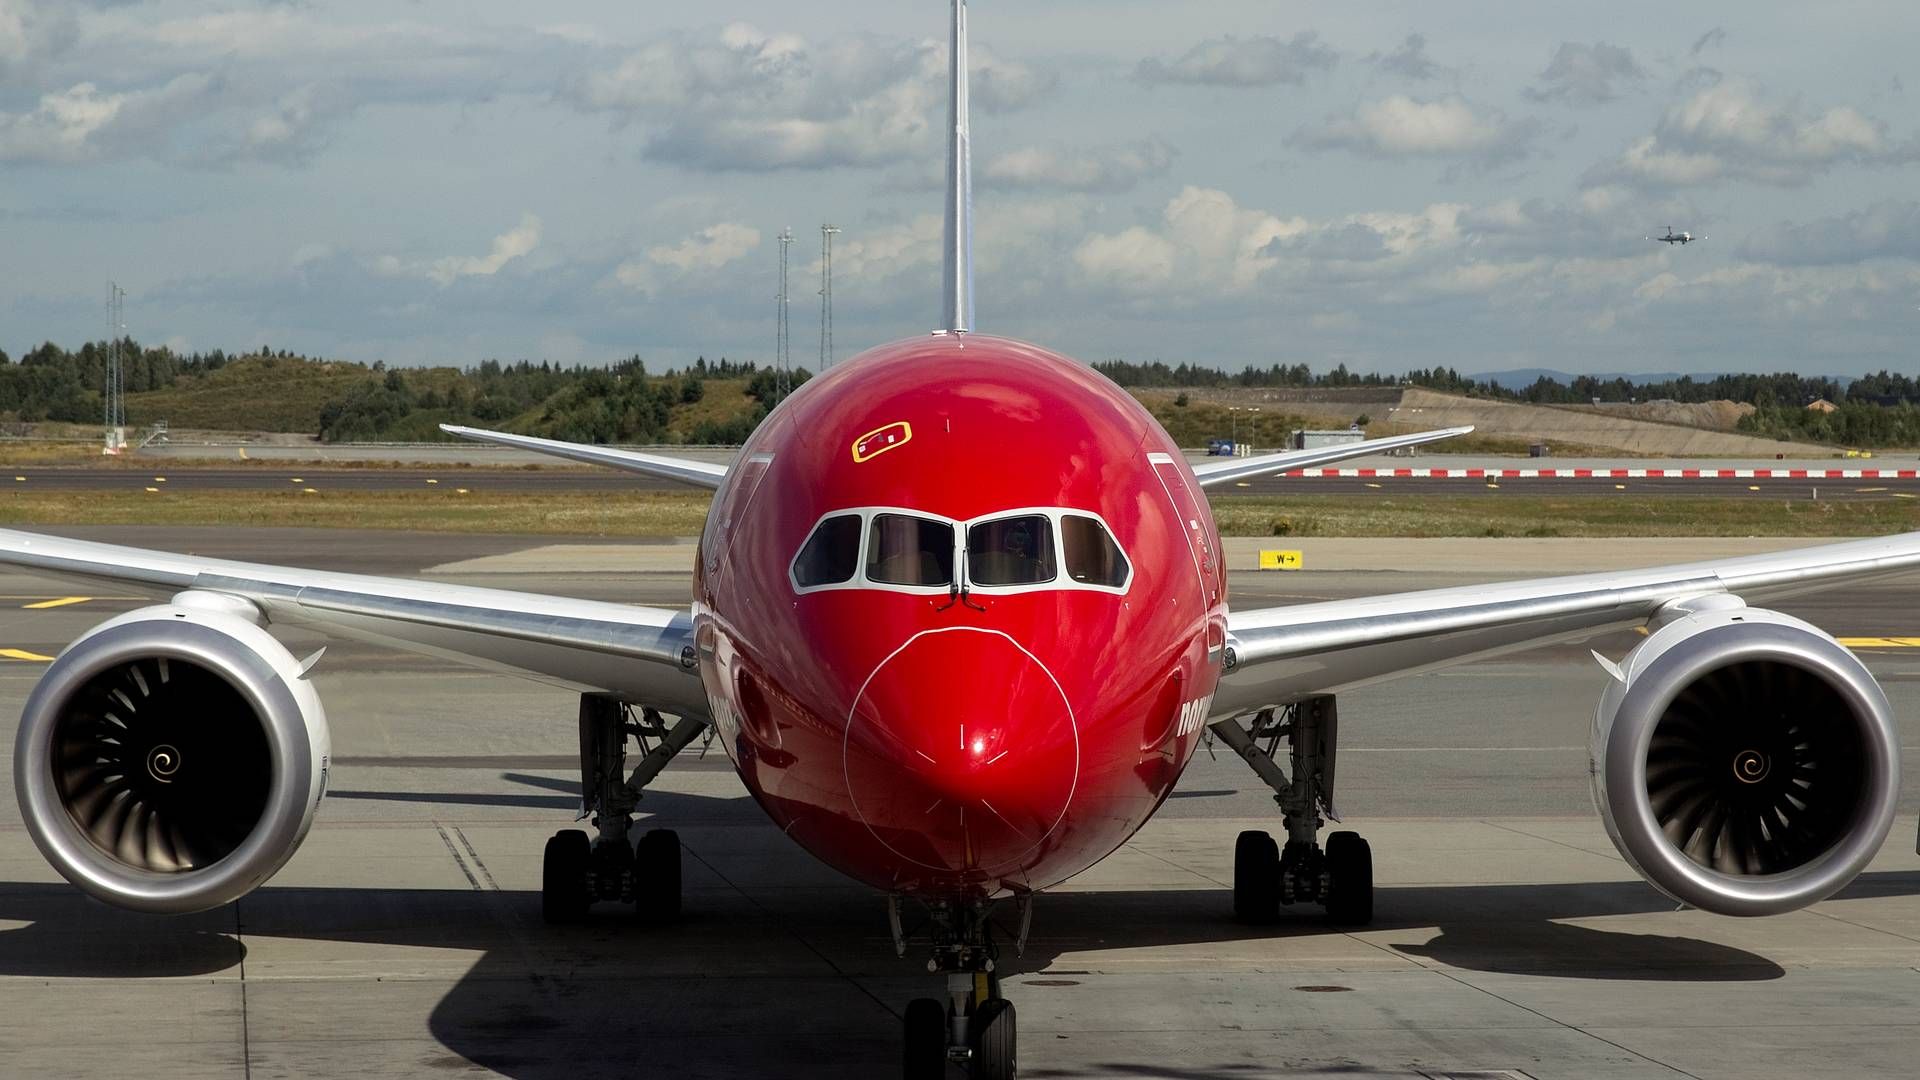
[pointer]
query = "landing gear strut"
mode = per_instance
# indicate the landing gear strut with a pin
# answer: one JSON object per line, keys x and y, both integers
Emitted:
{"x": 974, "y": 1024}
{"x": 577, "y": 870}
{"x": 1265, "y": 875}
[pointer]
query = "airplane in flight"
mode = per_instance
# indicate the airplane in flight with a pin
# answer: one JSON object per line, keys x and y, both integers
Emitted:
{"x": 1672, "y": 237}
{"x": 959, "y": 620}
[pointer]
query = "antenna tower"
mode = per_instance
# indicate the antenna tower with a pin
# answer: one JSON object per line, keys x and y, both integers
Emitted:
{"x": 826, "y": 294}
{"x": 783, "y": 337}
{"x": 114, "y": 388}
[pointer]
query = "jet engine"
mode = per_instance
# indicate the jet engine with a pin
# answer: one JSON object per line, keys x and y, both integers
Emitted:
{"x": 1744, "y": 762}
{"x": 171, "y": 760}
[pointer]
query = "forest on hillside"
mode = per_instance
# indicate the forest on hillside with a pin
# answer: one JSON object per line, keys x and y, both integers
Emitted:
{"x": 722, "y": 402}
{"x": 343, "y": 401}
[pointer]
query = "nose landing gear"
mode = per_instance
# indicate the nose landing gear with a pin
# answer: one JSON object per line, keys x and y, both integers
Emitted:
{"x": 974, "y": 1026}
{"x": 577, "y": 871}
{"x": 1265, "y": 876}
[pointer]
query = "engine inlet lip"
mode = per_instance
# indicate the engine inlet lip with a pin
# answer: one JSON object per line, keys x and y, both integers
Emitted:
{"x": 61, "y": 840}
{"x": 1654, "y": 690}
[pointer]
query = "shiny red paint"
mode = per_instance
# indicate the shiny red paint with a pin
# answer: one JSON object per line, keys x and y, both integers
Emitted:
{"x": 914, "y": 742}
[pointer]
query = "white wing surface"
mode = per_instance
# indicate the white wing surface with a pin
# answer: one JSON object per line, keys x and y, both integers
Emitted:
{"x": 698, "y": 473}
{"x": 1215, "y": 473}
{"x": 643, "y": 654}
{"x": 1281, "y": 654}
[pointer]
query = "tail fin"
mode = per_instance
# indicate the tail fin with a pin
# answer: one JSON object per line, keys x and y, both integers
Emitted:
{"x": 959, "y": 240}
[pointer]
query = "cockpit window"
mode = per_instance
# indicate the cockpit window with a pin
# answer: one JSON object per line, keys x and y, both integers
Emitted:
{"x": 908, "y": 550}
{"x": 832, "y": 553}
{"x": 1011, "y": 551}
{"x": 1092, "y": 557}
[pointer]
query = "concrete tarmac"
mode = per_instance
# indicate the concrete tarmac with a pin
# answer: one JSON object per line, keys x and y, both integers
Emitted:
{"x": 405, "y": 938}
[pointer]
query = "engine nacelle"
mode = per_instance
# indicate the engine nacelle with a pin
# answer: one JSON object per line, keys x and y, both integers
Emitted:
{"x": 1746, "y": 763}
{"x": 171, "y": 760}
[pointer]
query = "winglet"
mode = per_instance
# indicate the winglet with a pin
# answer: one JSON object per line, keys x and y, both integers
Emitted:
{"x": 698, "y": 473}
{"x": 958, "y": 260}
{"x": 1214, "y": 473}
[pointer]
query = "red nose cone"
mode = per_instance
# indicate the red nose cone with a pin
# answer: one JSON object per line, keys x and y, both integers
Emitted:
{"x": 962, "y": 755}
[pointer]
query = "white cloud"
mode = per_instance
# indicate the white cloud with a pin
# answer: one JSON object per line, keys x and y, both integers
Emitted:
{"x": 1727, "y": 132}
{"x": 1402, "y": 126}
{"x": 1206, "y": 243}
{"x": 83, "y": 123}
{"x": 753, "y": 101}
{"x": 1886, "y": 230}
{"x": 707, "y": 250}
{"x": 508, "y": 246}
{"x": 1234, "y": 61}
{"x": 1581, "y": 74}
{"x": 1110, "y": 168}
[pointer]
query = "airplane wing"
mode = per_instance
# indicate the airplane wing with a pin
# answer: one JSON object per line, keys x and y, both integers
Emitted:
{"x": 1215, "y": 473}
{"x": 1281, "y": 654}
{"x": 643, "y": 654}
{"x": 698, "y": 473}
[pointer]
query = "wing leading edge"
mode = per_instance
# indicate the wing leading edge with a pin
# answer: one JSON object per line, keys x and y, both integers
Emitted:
{"x": 698, "y": 473}
{"x": 1215, "y": 473}
{"x": 644, "y": 654}
{"x": 1281, "y": 654}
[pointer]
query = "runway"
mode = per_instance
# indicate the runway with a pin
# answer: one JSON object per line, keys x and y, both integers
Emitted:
{"x": 563, "y": 478}
{"x": 405, "y": 939}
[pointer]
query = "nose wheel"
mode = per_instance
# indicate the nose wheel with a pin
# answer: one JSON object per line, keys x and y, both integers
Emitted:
{"x": 974, "y": 1026}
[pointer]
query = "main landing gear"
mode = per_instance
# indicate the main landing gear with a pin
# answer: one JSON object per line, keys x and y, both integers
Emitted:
{"x": 973, "y": 1025}
{"x": 577, "y": 870}
{"x": 1265, "y": 875}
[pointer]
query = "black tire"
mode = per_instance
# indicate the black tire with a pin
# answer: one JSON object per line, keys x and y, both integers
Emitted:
{"x": 563, "y": 877}
{"x": 1256, "y": 878}
{"x": 995, "y": 1041}
{"x": 656, "y": 874}
{"x": 1350, "y": 880}
{"x": 925, "y": 1042}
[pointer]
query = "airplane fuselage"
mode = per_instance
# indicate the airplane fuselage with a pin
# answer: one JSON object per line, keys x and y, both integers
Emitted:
{"x": 926, "y": 661}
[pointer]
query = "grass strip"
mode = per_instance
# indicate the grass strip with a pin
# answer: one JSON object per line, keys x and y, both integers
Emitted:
{"x": 445, "y": 508}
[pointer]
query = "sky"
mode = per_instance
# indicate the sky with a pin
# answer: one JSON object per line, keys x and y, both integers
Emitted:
{"x": 1224, "y": 182}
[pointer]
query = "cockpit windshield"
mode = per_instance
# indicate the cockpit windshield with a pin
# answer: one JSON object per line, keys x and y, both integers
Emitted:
{"x": 1026, "y": 550}
{"x": 909, "y": 550}
{"x": 1091, "y": 555}
{"x": 832, "y": 553}
{"x": 1011, "y": 551}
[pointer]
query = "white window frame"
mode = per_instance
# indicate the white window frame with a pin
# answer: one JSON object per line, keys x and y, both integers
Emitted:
{"x": 1062, "y": 580}
{"x": 859, "y": 580}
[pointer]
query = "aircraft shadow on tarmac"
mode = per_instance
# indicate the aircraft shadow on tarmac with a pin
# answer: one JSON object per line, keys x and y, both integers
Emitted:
{"x": 754, "y": 978}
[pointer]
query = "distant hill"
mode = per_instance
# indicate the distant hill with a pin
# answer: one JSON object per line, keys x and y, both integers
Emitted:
{"x": 1521, "y": 378}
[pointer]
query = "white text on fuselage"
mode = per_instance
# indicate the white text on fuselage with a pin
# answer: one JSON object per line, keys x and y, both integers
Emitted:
{"x": 1193, "y": 715}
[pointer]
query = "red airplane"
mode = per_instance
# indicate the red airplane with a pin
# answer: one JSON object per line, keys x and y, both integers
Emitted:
{"x": 960, "y": 620}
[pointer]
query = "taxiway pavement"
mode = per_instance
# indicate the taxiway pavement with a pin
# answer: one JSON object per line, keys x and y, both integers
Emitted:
{"x": 404, "y": 939}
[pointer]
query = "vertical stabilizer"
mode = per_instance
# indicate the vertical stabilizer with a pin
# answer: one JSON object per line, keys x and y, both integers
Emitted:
{"x": 959, "y": 253}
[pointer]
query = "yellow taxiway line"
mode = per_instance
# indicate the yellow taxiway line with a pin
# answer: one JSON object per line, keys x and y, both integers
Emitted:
{"x": 58, "y": 601}
{"x": 22, "y": 654}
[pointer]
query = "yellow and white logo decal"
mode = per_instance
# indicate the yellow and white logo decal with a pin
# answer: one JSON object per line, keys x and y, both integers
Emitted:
{"x": 882, "y": 439}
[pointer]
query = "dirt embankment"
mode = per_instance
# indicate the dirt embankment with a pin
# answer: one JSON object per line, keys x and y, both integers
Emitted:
{"x": 1541, "y": 423}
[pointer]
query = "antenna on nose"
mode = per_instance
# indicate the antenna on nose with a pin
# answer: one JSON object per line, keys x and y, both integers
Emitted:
{"x": 959, "y": 240}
